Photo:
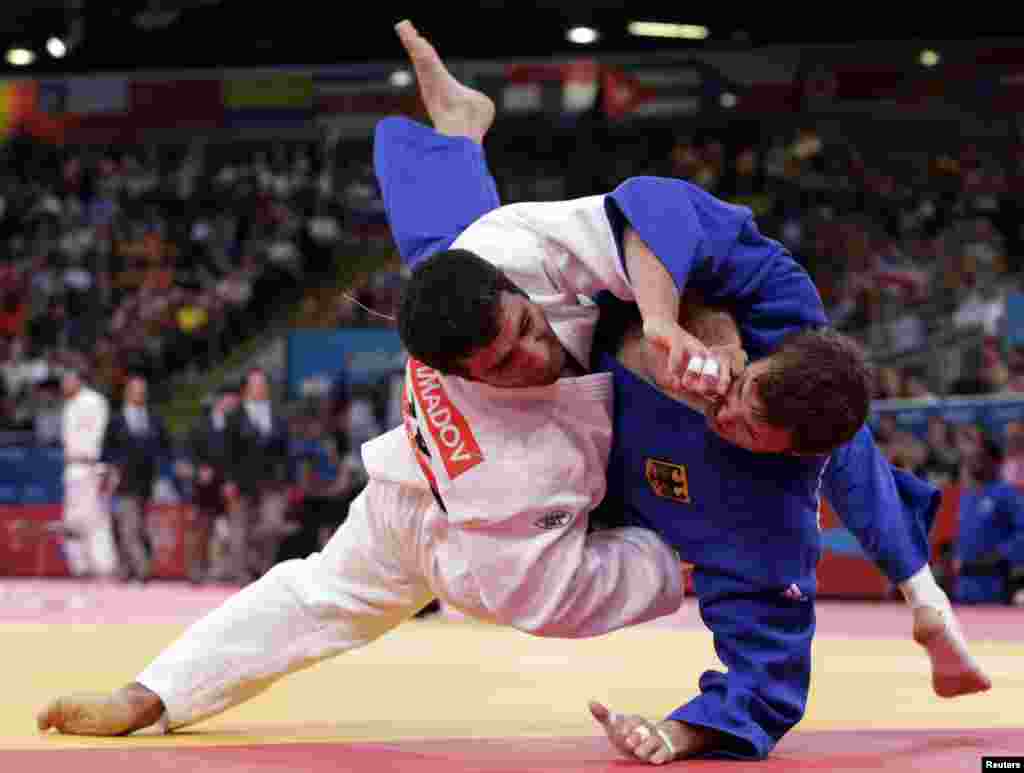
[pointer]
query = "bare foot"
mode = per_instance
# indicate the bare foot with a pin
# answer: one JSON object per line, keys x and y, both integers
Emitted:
{"x": 954, "y": 671}
{"x": 102, "y": 714}
{"x": 455, "y": 109}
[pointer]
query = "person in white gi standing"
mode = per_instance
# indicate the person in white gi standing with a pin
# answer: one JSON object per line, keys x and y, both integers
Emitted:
{"x": 89, "y": 542}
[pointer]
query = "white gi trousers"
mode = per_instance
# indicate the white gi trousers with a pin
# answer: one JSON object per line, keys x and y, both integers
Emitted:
{"x": 92, "y": 551}
{"x": 385, "y": 563}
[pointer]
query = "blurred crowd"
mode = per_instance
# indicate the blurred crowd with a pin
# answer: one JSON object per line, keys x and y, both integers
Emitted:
{"x": 159, "y": 259}
{"x": 155, "y": 260}
{"x": 901, "y": 245}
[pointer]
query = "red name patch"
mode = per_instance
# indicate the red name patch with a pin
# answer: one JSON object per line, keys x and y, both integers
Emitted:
{"x": 451, "y": 432}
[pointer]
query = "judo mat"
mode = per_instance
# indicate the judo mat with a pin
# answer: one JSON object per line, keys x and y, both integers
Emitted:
{"x": 447, "y": 695}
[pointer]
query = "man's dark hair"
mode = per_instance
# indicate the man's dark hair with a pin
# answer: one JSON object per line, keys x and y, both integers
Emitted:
{"x": 450, "y": 308}
{"x": 819, "y": 387}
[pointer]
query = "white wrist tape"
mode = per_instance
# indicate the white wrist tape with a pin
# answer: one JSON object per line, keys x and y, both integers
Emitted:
{"x": 665, "y": 739}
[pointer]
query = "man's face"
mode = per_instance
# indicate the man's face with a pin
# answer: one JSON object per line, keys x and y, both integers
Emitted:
{"x": 526, "y": 352}
{"x": 228, "y": 402}
{"x": 738, "y": 418}
{"x": 135, "y": 391}
{"x": 256, "y": 387}
{"x": 70, "y": 384}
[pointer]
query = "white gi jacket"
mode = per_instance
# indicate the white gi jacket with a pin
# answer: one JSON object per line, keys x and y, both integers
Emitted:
{"x": 84, "y": 422}
{"x": 517, "y": 471}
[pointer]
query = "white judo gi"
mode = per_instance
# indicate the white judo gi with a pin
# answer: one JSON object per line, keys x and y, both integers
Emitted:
{"x": 86, "y": 508}
{"x": 502, "y": 536}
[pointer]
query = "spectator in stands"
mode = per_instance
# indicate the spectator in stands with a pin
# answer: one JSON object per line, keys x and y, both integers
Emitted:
{"x": 902, "y": 448}
{"x": 45, "y": 283}
{"x": 942, "y": 463}
{"x": 915, "y": 386}
{"x": 54, "y": 330}
{"x": 206, "y": 468}
{"x": 888, "y": 383}
{"x": 89, "y": 536}
{"x": 14, "y": 310}
{"x": 975, "y": 378}
{"x": 1013, "y": 466}
{"x": 257, "y": 447}
{"x": 990, "y": 538}
{"x": 192, "y": 322}
{"x": 983, "y": 307}
{"x": 1015, "y": 368}
{"x": 326, "y": 483}
{"x": 136, "y": 444}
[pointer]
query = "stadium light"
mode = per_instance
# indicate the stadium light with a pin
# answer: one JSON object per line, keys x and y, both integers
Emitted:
{"x": 56, "y": 47}
{"x": 401, "y": 79}
{"x": 728, "y": 100}
{"x": 20, "y": 57}
{"x": 583, "y": 36}
{"x": 659, "y": 29}
{"x": 929, "y": 58}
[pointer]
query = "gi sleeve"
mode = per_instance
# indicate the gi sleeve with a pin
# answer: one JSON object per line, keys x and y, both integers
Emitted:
{"x": 663, "y": 215}
{"x": 763, "y": 638}
{"x": 560, "y": 248}
{"x": 434, "y": 186}
{"x": 716, "y": 248}
{"x": 889, "y": 511}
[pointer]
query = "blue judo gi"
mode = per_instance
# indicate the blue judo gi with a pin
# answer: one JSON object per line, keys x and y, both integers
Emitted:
{"x": 748, "y": 522}
{"x": 991, "y": 526}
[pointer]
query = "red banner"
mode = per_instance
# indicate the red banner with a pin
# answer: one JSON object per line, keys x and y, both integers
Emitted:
{"x": 30, "y": 545}
{"x": 31, "y": 541}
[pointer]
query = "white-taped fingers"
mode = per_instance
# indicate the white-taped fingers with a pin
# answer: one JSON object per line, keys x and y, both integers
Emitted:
{"x": 666, "y": 739}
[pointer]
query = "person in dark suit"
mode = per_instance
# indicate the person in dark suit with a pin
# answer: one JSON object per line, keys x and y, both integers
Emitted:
{"x": 135, "y": 444}
{"x": 205, "y": 467}
{"x": 257, "y": 479}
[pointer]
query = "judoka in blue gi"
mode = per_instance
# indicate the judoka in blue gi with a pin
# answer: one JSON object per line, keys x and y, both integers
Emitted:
{"x": 989, "y": 545}
{"x": 747, "y": 521}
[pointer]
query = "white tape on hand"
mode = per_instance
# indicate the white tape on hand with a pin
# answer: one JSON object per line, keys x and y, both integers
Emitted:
{"x": 667, "y": 740}
{"x": 696, "y": 365}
